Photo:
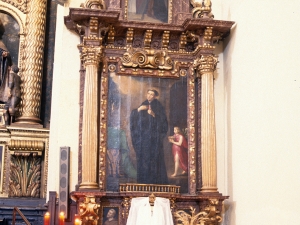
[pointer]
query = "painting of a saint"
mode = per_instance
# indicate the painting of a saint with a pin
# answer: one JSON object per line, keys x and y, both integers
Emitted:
{"x": 148, "y": 127}
{"x": 110, "y": 216}
{"x": 142, "y": 113}
{"x": 148, "y": 10}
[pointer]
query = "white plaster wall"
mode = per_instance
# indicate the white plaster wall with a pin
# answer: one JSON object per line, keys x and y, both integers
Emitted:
{"x": 259, "y": 151}
{"x": 64, "y": 128}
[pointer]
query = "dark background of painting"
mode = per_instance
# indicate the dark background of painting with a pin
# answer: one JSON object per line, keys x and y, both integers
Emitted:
{"x": 9, "y": 34}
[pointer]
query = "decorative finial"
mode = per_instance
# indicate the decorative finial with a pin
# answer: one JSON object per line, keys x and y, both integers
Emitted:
{"x": 202, "y": 9}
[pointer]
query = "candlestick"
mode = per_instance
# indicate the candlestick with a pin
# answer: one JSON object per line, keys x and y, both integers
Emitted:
{"x": 47, "y": 218}
{"x": 61, "y": 218}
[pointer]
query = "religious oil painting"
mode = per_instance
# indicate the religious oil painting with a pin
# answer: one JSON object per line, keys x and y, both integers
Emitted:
{"x": 147, "y": 131}
{"x": 9, "y": 36}
{"x": 110, "y": 216}
{"x": 148, "y": 10}
{"x": 2, "y": 147}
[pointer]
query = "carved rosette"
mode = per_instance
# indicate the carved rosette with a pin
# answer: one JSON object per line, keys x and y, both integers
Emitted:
{"x": 32, "y": 60}
{"x": 205, "y": 67}
{"x": 90, "y": 57}
{"x": 88, "y": 210}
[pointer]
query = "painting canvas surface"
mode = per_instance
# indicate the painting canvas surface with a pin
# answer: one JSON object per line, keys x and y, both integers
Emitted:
{"x": 139, "y": 131}
{"x": 148, "y": 10}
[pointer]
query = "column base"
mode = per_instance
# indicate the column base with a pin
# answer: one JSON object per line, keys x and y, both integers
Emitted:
{"x": 88, "y": 185}
{"x": 207, "y": 190}
{"x": 28, "y": 121}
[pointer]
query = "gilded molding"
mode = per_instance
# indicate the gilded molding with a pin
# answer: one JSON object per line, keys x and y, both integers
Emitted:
{"x": 192, "y": 131}
{"x": 88, "y": 210}
{"x": 103, "y": 122}
{"x": 202, "y": 9}
{"x": 205, "y": 64}
{"x": 126, "y": 206}
{"x": 147, "y": 58}
{"x": 32, "y": 62}
{"x": 19, "y": 146}
{"x": 209, "y": 216}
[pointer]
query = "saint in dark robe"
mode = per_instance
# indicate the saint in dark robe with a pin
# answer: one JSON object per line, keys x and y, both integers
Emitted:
{"x": 148, "y": 127}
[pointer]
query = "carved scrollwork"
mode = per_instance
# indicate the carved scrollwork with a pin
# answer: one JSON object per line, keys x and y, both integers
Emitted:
{"x": 95, "y": 4}
{"x": 202, "y": 9}
{"x": 88, "y": 210}
{"x": 147, "y": 59}
{"x": 209, "y": 216}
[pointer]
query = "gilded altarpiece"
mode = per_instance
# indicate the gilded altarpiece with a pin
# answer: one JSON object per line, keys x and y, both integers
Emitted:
{"x": 147, "y": 108}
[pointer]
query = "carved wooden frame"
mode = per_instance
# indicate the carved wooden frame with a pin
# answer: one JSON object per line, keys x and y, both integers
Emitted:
{"x": 2, "y": 167}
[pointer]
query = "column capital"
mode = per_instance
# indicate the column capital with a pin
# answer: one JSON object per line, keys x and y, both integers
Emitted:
{"x": 205, "y": 64}
{"x": 91, "y": 55}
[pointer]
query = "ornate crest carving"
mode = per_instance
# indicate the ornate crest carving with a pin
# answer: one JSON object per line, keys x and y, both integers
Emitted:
{"x": 147, "y": 58}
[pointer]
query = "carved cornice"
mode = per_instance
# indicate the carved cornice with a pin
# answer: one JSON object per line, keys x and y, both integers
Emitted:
{"x": 205, "y": 64}
{"x": 147, "y": 58}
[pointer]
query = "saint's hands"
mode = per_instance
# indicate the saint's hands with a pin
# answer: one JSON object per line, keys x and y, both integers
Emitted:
{"x": 146, "y": 107}
{"x": 142, "y": 107}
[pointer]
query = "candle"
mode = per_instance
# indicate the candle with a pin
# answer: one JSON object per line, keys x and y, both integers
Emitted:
{"x": 47, "y": 218}
{"x": 61, "y": 218}
{"x": 77, "y": 221}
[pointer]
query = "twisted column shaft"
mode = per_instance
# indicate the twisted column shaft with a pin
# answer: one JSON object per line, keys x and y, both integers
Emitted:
{"x": 32, "y": 66}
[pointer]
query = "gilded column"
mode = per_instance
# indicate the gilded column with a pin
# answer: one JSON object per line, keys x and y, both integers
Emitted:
{"x": 32, "y": 66}
{"x": 205, "y": 67}
{"x": 91, "y": 57}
